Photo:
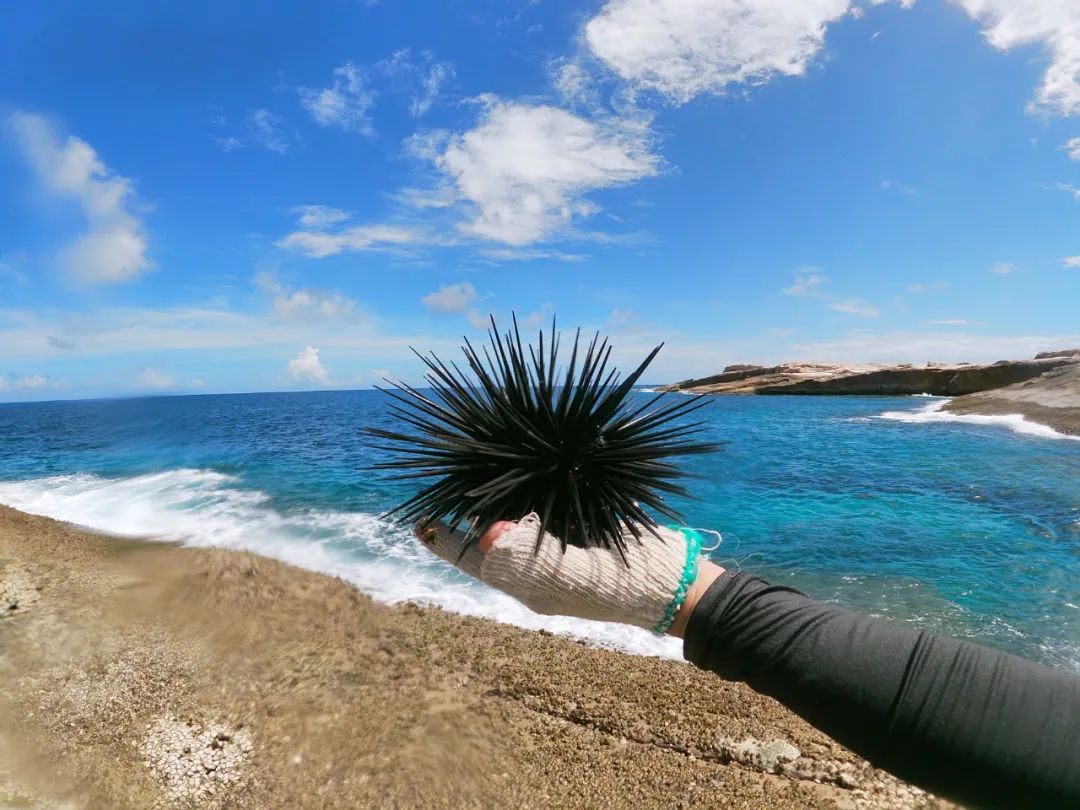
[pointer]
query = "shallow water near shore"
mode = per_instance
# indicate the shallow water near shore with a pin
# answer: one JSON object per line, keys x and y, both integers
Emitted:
{"x": 966, "y": 528}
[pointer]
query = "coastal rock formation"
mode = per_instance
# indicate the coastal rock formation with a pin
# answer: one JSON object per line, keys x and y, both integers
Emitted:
{"x": 1051, "y": 399}
{"x": 1059, "y": 353}
{"x": 939, "y": 379}
{"x": 169, "y": 677}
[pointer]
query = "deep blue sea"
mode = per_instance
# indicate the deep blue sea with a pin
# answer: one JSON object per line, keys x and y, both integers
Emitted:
{"x": 969, "y": 527}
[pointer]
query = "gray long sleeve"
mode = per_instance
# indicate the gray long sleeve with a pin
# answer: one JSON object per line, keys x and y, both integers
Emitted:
{"x": 973, "y": 725}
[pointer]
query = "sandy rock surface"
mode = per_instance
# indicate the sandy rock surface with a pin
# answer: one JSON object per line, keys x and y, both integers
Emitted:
{"x": 147, "y": 675}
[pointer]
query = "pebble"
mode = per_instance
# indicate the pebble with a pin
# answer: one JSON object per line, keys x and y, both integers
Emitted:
{"x": 767, "y": 756}
{"x": 194, "y": 762}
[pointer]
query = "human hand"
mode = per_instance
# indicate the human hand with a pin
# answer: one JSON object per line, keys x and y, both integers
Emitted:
{"x": 592, "y": 583}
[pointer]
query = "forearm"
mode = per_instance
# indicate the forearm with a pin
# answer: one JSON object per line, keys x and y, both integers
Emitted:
{"x": 968, "y": 723}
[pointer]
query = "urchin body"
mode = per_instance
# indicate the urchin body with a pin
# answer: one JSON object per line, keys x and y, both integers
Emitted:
{"x": 520, "y": 435}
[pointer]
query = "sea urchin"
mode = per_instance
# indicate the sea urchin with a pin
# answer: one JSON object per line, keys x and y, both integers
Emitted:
{"x": 520, "y": 436}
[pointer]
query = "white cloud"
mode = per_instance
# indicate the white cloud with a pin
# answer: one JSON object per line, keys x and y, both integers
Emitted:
{"x": 344, "y": 104}
{"x": 114, "y": 248}
{"x": 515, "y": 255}
{"x": 266, "y": 129}
{"x": 916, "y": 347}
{"x": 155, "y": 380}
{"x": 260, "y": 127}
{"x": 10, "y": 267}
{"x": 575, "y": 82}
{"x": 117, "y": 253}
{"x": 118, "y": 331}
{"x": 347, "y": 102}
{"x": 430, "y": 85}
{"x": 319, "y": 217}
{"x": 524, "y": 170}
{"x": 451, "y": 298}
{"x": 811, "y": 285}
{"x": 928, "y": 287}
{"x": 1052, "y": 24}
{"x": 896, "y": 185}
{"x": 623, "y": 320}
{"x": 422, "y": 78}
{"x": 426, "y": 145}
{"x": 1071, "y": 261}
{"x": 478, "y": 320}
{"x": 1073, "y": 190}
{"x": 682, "y": 48}
{"x": 318, "y": 241}
{"x": 307, "y": 367}
{"x": 807, "y": 285}
{"x": 229, "y": 143}
{"x": 527, "y": 323}
{"x": 423, "y": 198}
{"x": 1004, "y": 268}
{"x": 27, "y": 382}
{"x": 541, "y": 317}
{"x": 855, "y": 306}
{"x": 1071, "y": 147}
{"x": 30, "y": 381}
{"x": 303, "y": 304}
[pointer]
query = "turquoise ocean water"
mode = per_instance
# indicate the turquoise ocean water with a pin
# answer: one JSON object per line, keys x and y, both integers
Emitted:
{"x": 970, "y": 527}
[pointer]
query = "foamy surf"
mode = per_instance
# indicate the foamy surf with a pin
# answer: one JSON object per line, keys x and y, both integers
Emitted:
{"x": 933, "y": 413}
{"x": 206, "y": 508}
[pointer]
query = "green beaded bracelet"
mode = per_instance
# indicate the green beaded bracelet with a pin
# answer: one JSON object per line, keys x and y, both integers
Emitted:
{"x": 693, "y": 552}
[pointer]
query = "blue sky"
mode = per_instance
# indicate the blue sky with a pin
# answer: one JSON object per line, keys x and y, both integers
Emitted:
{"x": 209, "y": 197}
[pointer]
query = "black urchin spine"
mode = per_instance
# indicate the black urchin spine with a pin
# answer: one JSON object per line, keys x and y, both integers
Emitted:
{"x": 510, "y": 439}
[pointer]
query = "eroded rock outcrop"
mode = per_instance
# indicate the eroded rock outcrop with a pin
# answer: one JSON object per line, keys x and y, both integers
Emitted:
{"x": 1051, "y": 399}
{"x": 956, "y": 379}
{"x": 1059, "y": 353}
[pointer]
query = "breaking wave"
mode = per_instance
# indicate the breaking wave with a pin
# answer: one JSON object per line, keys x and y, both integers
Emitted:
{"x": 205, "y": 508}
{"x": 933, "y": 413}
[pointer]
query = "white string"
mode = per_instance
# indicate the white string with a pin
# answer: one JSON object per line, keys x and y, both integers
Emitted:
{"x": 734, "y": 562}
{"x": 714, "y": 546}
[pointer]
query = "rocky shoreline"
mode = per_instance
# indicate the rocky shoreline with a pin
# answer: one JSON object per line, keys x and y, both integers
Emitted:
{"x": 862, "y": 379}
{"x": 1052, "y": 399}
{"x": 1044, "y": 389}
{"x": 142, "y": 674}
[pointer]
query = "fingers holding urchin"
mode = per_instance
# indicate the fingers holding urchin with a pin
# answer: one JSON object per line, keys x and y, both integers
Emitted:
{"x": 450, "y": 545}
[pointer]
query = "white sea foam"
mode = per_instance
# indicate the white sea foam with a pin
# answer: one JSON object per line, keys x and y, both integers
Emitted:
{"x": 205, "y": 508}
{"x": 1014, "y": 422}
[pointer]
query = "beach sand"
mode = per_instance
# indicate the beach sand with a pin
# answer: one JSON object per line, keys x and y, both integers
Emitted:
{"x": 141, "y": 675}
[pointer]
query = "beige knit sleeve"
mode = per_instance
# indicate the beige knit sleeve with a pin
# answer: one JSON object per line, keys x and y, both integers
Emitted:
{"x": 591, "y": 583}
